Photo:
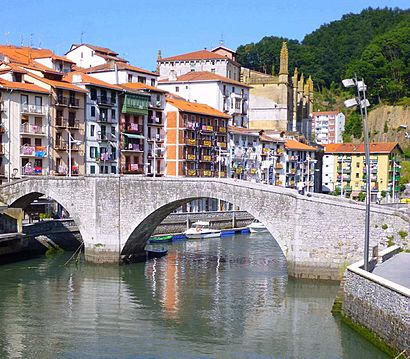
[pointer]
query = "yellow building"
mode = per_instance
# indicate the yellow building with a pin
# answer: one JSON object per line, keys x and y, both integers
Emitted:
{"x": 344, "y": 169}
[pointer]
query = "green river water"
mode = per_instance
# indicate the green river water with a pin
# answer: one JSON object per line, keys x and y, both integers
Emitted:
{"x": 217, "y": 298}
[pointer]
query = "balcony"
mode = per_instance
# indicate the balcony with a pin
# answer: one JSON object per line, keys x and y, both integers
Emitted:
{"x": 104, "y": 118}
{"x": 190, "y": 157}
{"x": 156, "y": 138}
{"x": 60, "y": 145}
{"x": 206, "y": 143}
{"x": 158, "y": 153}
{"x": 191, "y": 173}
{"x": 190, "y": 141}
{"x": 372, "y": 170}
{"x": 345, "y": 178}
{"x": 106, "y": 137}
{"x": 33, "y": 151}
{"x": 132, "y": 147}
{"x": 133, "y": 127}
{"x": 29, "y": 129}
{"x": 222, "y": 129}
{"x": 278, "y": 166}
{"x": 344, "y": 159}
{"x": 293, "y": 158}
{"x": 207, "y": 128}
{"x": 206, "y": 158}
{"x": 73, "y": 124}
{"x": 107, "y": 157}
{"x": 61, "y": 122}
{"x": 344, "y": 169}
{"x": 396, "y": 178}
{"x": 29, "y": 170}
{"x": 155, "y": 121}
{"x": 206, "y": 173}
{"x": 221, "y": 144}
{"x": 156, "y": 104}
{"x": 62, "y": 101}
{"x": 2, "y": 152}
{"x": 73, "y": 102}
{"x": 278, "y": 183}
{"x": 220, "y": 174}
{"x": 33, "y": 109}
{"x": 106, "y": 101}
{"x": 133, "y": 168}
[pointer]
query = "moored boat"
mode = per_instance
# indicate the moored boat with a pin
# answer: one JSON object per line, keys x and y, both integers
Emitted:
{"x": 257, "y": 227}
{"x": 201, "y": 229}
{"x": 160, "y": 239}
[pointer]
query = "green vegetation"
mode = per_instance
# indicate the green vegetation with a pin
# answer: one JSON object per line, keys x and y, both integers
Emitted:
{"x": 53, "y": 251}
{"x": 403, "y": 234}
{"x": 385, "y": 226}
{"x": 390, "y": 241}
{"x": 405, "y": 172}
{"x": 374, "y": 44}
{"x": 361, "y": 197}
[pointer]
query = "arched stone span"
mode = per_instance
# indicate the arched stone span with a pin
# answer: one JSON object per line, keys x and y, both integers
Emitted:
{"x": 318, "y": 234}
{"x": 140, "y": 235}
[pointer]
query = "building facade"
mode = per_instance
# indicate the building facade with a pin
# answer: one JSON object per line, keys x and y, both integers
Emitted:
{"x": 344, "y": 170}
{"x": 328, "y": 127}
{"x": 219, "y": 92}
{"x": 196, "y": 139}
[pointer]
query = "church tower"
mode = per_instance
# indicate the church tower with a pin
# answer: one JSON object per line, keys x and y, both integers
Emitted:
{"x": 159, "y": 57}
{"x": 284, "y": 64}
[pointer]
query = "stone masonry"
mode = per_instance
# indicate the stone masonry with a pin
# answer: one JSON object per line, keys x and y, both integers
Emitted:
{"x": 117, "y": 214}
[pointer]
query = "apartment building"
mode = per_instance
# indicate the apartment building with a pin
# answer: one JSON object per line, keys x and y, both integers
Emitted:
{"x": 273, "y": 160}
{"x": 24, "y": 128}
{"x": 153, "y": 127}
{"x": 328, "y": 126}
{"x": 300, "y": 166}
{"x": 220, "y": 92}
{"x": 220, "y": 60}
{"x": 101, "y": 123}
{"x": 196, "y": 139}
{"x": 344, "y": 170}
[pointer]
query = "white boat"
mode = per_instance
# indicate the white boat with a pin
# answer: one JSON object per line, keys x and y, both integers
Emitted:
{"x": 201, "y": 230}
{"x": 257, "y": 227}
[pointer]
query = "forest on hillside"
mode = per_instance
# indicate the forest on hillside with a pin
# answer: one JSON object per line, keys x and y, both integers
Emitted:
{"x": 374, "y": 44}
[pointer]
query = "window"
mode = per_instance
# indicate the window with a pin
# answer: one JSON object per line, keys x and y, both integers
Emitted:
{"x": 37, "y": 142}
{"x": 176, "y": 88}
{"x": 113, "y": 114}
{"x": 357, "y": 175}
{"x": 142, "y": 79}
{"x": 129, "y": 78}
{"x": 113, "y": 130}
{"x": 24, "y": 99}
{"x": 38, "y": 100}
{"x": 192, "y": 70}
{"x": 233, "y": 89}
{"x": 357, "y": 164}
{"x": 92, "y": 130}
{"x": 113, "y": 170}
{"x": 93, "y": 94}
{"x": 92, "y": 169}
{"x": 93, "y": 151}
{"x": 152, "y": 82}
{"x": 213, "y": 70}
{"x": 92, "y": 111}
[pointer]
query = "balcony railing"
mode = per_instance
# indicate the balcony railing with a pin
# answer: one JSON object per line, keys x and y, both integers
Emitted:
{"x": 107, "y": 157}
{"x": 28, "y": 128}
{"x": 33, "y": 109}
{"x": 206, "y": 173}
{"x": 222, "y": 129}
{"x": 278, "y": 166}
{"x": 106, "y": 100}
{"x": 156, "y": 104}
{"x": 133, "y": 127}
{"x": 29, "y": 170}
{"x": 106, "y": 137}
{"x": 191, "y": 173}
{"x": 62, "y": 101}
{"x": 221, "y": 144}
{"x": 73, "y": 124}
{"x": 190, "y": 157}
{"x": 104, "y": 118}
{"x": 206, "y": 143}
{"x": 206, "y": 158}
{"x": 61, "y": 122}
{"x": 133, "y": 168}
{"x": 73, "y": 102}
{"x": 33, "y": 151}
{"x": 60, "y": 145}
{"x": 190, "y": 141}
{"x": 207, "y": 128}
{"x": 135, "y": 147}
{"x": 220, "y": 174}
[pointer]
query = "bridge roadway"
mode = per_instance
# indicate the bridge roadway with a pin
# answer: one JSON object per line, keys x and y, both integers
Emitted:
{"x": 318, "y": 234}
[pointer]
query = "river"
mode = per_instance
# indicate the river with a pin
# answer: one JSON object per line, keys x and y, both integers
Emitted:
{"x": 215, "y": 298}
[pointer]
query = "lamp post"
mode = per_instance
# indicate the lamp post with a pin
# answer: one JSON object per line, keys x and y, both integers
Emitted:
{"x": 363, "y": 103}
{"x": 71, "y": 141}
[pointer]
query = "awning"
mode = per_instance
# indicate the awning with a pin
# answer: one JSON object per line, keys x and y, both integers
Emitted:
{"x": 129, "y": 135}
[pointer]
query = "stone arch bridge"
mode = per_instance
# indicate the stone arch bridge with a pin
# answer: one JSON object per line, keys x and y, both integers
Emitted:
{"x": 115, "y": 215}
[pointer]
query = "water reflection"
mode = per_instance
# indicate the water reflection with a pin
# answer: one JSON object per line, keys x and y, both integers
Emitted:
{"x": 222, "y": 298}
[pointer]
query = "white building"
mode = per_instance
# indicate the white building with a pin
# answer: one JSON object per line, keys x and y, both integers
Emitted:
{"x": 224, "y": 94}
{"x": 86, "y": 55}
{"x": 328, "y": 126}
{"x": 101, "y": 124}
{"x": 24, "y": 129}
{"x": 221, "y": 61}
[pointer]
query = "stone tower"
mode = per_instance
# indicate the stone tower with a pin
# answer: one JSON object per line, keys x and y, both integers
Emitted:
{"x": 284, "y": 64}
{"x": 159, "y": 57}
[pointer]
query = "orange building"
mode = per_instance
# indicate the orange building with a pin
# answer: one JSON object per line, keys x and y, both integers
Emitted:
{"x": 196, "y": 139}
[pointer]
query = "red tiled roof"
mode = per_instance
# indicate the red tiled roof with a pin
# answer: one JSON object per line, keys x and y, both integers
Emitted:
{"x": 58, "y": 84}
{"x": 120, "y": 66}
{"x": 195, "y": 55}
{"x": 375, "y": 147}
{"x": 198, "y": 76}
{"x": 296, "y": 145}
{"x": 242, "y": 130}
{"x": 140, "y": 86}
{"x": 89, "y": 80}
{"x": 194, "y": 107}
{"x": 23, "y": 86}
{"x": 55, "y": 57}
{"x": 104, "y": 50}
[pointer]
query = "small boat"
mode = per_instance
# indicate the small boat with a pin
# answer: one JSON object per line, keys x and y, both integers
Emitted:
{"x": 257, "y": 227}
{"x": 160, "y": 239}
{"x": 201, "y": 229}
{"x": 156, "y": 252}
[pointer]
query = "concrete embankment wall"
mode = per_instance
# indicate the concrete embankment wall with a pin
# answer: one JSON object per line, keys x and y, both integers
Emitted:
{"x": 178, "y": 222}
{"x": 379, "y": 305}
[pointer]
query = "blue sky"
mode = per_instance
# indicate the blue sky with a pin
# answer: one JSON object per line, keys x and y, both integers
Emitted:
{"x": 136, "y": 29}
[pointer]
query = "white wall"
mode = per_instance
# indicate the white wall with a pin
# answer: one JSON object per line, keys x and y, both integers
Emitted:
{"x": 327, "y": 171}
{"x": 84, "y": 56}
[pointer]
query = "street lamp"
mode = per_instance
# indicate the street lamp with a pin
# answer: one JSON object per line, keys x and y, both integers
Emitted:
{"x": 71, "y": 141}
{"x": 363, "y": 103}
